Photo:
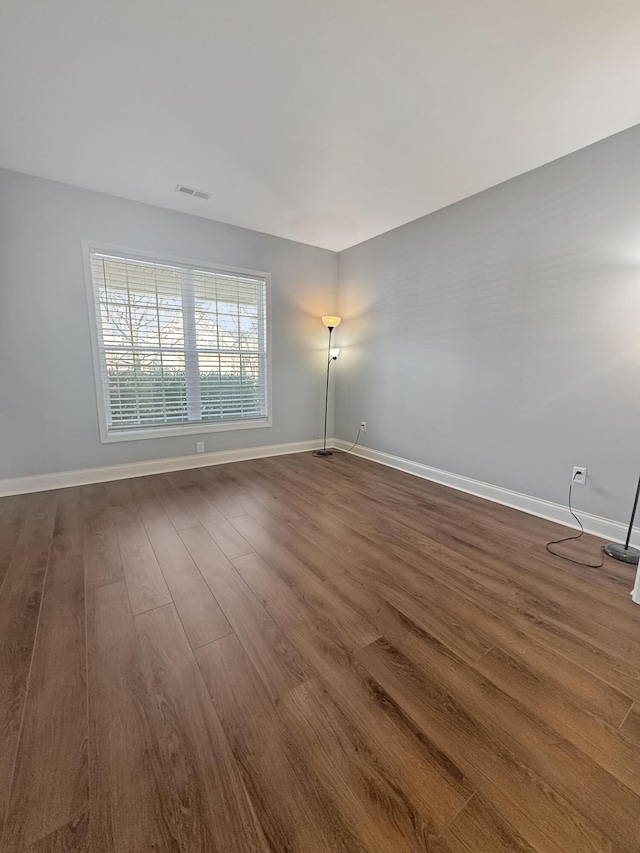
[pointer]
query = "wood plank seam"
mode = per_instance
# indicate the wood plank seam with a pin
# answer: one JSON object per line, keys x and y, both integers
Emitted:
{"x": 26, "y": 690}
{"x": 450, "y": 823}
{"x": 485, "y": 652}
{"x": 626, "y": 716}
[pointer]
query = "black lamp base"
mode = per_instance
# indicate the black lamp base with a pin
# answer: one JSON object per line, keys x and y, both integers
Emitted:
{"x": 619, "y": 552}
{"x": 323, "y": 452}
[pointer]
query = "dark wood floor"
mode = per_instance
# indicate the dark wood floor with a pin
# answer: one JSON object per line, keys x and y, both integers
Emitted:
{"x": 297, "y": 654}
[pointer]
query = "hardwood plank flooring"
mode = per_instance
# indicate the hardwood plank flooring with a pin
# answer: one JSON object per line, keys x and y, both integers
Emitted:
{"x": 67, "y": 839}
{"x": 313, "y": 656}
{"x": 174, "y": 503}
{"x": 145, "y": 582}
{"x": 102, "y": 560}
{"x": 479, "y": 828}
{"x": 223, "y": 533}
{"x": 274, "y": 657}
{"x": 50, "y": 777}
{"x": 213, "y": 810}
{"x": 363, "y": 793}
{"x": 11, "y": 524}
{"x": 312, "y": 593}
{"x": 20, "y": 600}
{"x": 201, "y": 616}
{"x": 301, "y": 817}
{"x": 131, "y": 806}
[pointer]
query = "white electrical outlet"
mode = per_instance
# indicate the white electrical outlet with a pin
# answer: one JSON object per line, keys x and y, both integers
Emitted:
{"x": 363, "y": 426}
{"x": 199, "y": 446}
{"x": 579, "y": 476}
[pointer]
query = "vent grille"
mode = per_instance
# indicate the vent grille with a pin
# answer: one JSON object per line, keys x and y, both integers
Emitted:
{"x": 195, "y": 193}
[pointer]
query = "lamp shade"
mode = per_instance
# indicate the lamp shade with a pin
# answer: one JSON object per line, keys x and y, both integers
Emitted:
{"x": 331, "y": 322}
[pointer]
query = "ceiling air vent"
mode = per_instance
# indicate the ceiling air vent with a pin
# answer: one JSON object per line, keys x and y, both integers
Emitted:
{"x": 195, "y": 193}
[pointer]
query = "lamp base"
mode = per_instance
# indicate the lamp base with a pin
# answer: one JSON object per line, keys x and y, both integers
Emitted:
{"x": 323, "y": 452}
{"x": 619, "y": 552}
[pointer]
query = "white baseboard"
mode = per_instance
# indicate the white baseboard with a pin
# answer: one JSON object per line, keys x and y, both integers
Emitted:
{"x": 595, "y": 524}
{"x": 64, "y": 479}
{"x": 598, "y": 526}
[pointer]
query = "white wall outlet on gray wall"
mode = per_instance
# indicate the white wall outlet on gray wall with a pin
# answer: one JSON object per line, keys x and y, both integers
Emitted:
{"x": 363, "y": 426}
{"x": 199, "y": 446}
{"x": 579, "y": 476}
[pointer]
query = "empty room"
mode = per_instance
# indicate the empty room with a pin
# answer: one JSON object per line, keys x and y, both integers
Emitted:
{"x": 319, "y": 426}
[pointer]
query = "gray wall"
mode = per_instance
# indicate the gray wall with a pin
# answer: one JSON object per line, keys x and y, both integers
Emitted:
{"x": 48, "y": 417}
{"x": 499, "y": 338}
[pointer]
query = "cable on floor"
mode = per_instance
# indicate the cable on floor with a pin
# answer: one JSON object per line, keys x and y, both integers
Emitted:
{"x": 571, "y": 539}
{"x": 349, "y": 449}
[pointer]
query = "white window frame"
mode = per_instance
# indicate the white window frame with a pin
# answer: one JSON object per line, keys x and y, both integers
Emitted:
{"x": 106, "y": 435}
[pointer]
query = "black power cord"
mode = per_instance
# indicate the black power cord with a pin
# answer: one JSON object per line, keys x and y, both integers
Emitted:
{"x": 571, "y": 539}
{"x": 349, "y": 449}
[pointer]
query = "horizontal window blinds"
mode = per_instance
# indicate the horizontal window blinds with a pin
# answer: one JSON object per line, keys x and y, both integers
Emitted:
{"x": 178, "y": 344}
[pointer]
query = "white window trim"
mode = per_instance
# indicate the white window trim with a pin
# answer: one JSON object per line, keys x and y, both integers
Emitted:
{"x": 107, "y": 436}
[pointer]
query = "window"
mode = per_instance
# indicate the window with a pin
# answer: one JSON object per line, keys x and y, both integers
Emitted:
{"x": 179, "y": 347}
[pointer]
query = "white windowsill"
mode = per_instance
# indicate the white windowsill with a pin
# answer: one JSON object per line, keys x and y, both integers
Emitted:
{"x": 182, "y": 429}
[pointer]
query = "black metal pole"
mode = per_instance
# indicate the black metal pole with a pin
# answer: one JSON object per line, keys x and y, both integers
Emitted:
{"x": 326, "y": 396}
{"x": 633, "y": 515}
{"x": 627, "y": 553}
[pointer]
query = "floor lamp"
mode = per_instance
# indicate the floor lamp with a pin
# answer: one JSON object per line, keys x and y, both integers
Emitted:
{"x": 627, "y": 553}
{"x": 332, "y": 354}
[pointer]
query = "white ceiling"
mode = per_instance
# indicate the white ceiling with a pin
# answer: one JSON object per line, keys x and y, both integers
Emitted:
{"x": 325, "y": 121}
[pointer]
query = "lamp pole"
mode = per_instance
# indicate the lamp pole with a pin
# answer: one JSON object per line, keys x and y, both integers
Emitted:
{"x": 627, "y": 553}
{"x": 324, "y": 451}
{"x": 330, "y": 323}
